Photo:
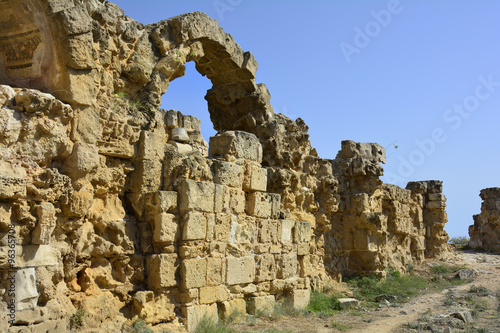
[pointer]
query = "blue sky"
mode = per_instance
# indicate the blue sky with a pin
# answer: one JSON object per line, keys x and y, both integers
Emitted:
{"x": 421, "y": 75}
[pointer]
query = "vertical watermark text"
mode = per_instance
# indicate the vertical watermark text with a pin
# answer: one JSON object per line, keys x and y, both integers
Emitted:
{"x": 11, "y": 289}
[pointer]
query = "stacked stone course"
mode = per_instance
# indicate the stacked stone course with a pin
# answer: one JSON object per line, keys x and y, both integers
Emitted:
{"x": 485, "y": 232}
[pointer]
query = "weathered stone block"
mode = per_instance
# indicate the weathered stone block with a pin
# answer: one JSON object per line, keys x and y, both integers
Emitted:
{"x": 302, "y": 232}
{"x": 161, "y": 270}
{"x": 152, "y": 145}
{"x": 229, "y": 174}
{"x": 208, "y": 295}
{"x": 243, "y": 230}
{"x": 166, "y": 228}
{"x": 255, "y": 178}
{"x": 236, "y": 307}
{"x": 195, "y": 313}
{"x": 12, "y": 187}
{"x": 303, "y": 249}
{"x": 83, "y": 160}
{"x": 46, "y": 223}
{"x": 195, "y": 226}
{"x": 23, "y": 281}
{"x": 265, "y": 268}
{"x": 146, "y": 176}
{"x": 215, "y": 271}
{"x": 275, "y": 205}
{"x": 436, "y": 205}
{"x": 240, "y": 270}
{"x": 288, "y": 267}
{"x": 195, "y": 195}
{"x": 222, "y": 227}
{"x": 259, "y": 204}
{"x": 285, "y": 231}
{"x": 241, "y": 145}
{"x": 268, "y": 231}
{"x": 221, "y": 198}
{"x": 301, "y": 298}
{"x": 236, "y": 200}
{"x": 261, "y": 304}
{"x": 194, "y": 273}
{"x": 166, "y": 200}
{"x": 348, "y": 303}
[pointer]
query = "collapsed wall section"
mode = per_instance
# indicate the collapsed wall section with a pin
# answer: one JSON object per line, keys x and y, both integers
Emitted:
{"x": 485, "y": 232}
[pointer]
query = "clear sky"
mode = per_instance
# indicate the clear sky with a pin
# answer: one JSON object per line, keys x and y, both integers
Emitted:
{"x": 421, "y": 78}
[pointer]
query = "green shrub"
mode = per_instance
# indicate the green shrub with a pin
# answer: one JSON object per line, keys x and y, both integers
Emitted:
{"x": 441, "y": 269}
{"x": 138, "y": 326}
{"x": 207, "y": 325}
{"x": 402, "y": 286}
{"x": 322, "y": 304}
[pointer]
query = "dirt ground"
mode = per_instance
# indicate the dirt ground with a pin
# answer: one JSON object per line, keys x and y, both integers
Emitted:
{"x": 432, "y": 312}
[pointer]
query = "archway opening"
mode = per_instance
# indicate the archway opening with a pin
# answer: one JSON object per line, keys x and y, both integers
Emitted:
{"x": 187, "y": 95}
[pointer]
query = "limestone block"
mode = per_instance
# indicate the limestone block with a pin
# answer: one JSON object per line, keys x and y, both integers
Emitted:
{"x": 227, "y": 173}
{"x": 302, "y": 232}
{"x": 268, "y": 232}
{"x": 83, "y": 160}
{"x": 301, "y": 298}
{"x": 436, "y": 197}
{"x": 166, "y": 200}
{"x": 195, "y": 195}
{"x": 161, "y": 270}
{"x": 215, "y": 271}
{"x": 285, "y": 231}
{"x": 233, "y": 308}
{"x": 222, "y": 227}
{"x": 166, "y": 227}
{"x": 261, "y": 304}
{"x": 289, "y": 266}
{"x": 26, "y": 293}
{"x": 208, "y": 295}
{"x": 243, "y": 230}
{"x": 37, "y": 255}
{"x": 146, "y": 176}
{"x": 239, "y": 144}
{"x": 180, "y": 134}
{"x": 303, "y": 249}
{"x": 222, "y": 294}
{"x": 46, "y": 223}
{"x": 153, "y": 308}
{"x": 195, "y": 226}
{"x": 348, "y": 303}
{"x": 194, "y": 273}
{"x": 195, "y": 313}
{"x": 221, "y": 198}
{"x": 402, "y": 225}
{"x": 237, "y": 200}
{"x": 436, "y": 205}
{"x": 182, "y": 148}
{"x": 172, "y": 118}
{"x": 255, "y": 178}
{"x": 152, "y": 145}
{"x": 259, "y": 204}
{"x": 305, "y": 266}
{"x": 265, "y": 267}
{"x": 275, "y": 205}
{"x": 12, "y": 187}
{"x": 240, "y": 270}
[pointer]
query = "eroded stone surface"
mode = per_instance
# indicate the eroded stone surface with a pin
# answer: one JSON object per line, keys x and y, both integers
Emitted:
{"x": 485, "y": 232}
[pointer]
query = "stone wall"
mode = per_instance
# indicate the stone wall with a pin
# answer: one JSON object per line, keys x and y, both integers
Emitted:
{"x": 485, "y": 232}
{"x": 112, "y": 205}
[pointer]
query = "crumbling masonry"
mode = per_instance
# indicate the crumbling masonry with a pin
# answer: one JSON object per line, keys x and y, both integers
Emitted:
{"x": 114, "y": 206}
{"x": 485, "y": 232}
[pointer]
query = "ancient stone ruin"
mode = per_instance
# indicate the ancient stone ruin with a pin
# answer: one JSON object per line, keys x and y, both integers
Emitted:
{"x": 112, "y": 205}
{"x": 485, "y": 232}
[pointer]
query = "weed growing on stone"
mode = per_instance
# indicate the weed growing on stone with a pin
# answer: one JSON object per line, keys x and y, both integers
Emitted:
{"x": 138, "y": 326}
{"x": 78, "y": 318}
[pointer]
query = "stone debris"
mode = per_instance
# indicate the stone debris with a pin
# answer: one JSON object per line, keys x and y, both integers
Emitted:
{"x": 122, "y": 209}
{"x": 348, "y": 303}
{"x": 485, "y": 232}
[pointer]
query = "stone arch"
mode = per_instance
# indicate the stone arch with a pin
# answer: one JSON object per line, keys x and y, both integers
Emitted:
{"x": 235, "y": 101}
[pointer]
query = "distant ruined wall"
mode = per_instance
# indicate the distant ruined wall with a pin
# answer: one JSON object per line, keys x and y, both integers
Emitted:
{"x": 485, "y": 232}
{"x": 112, "y": 205}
